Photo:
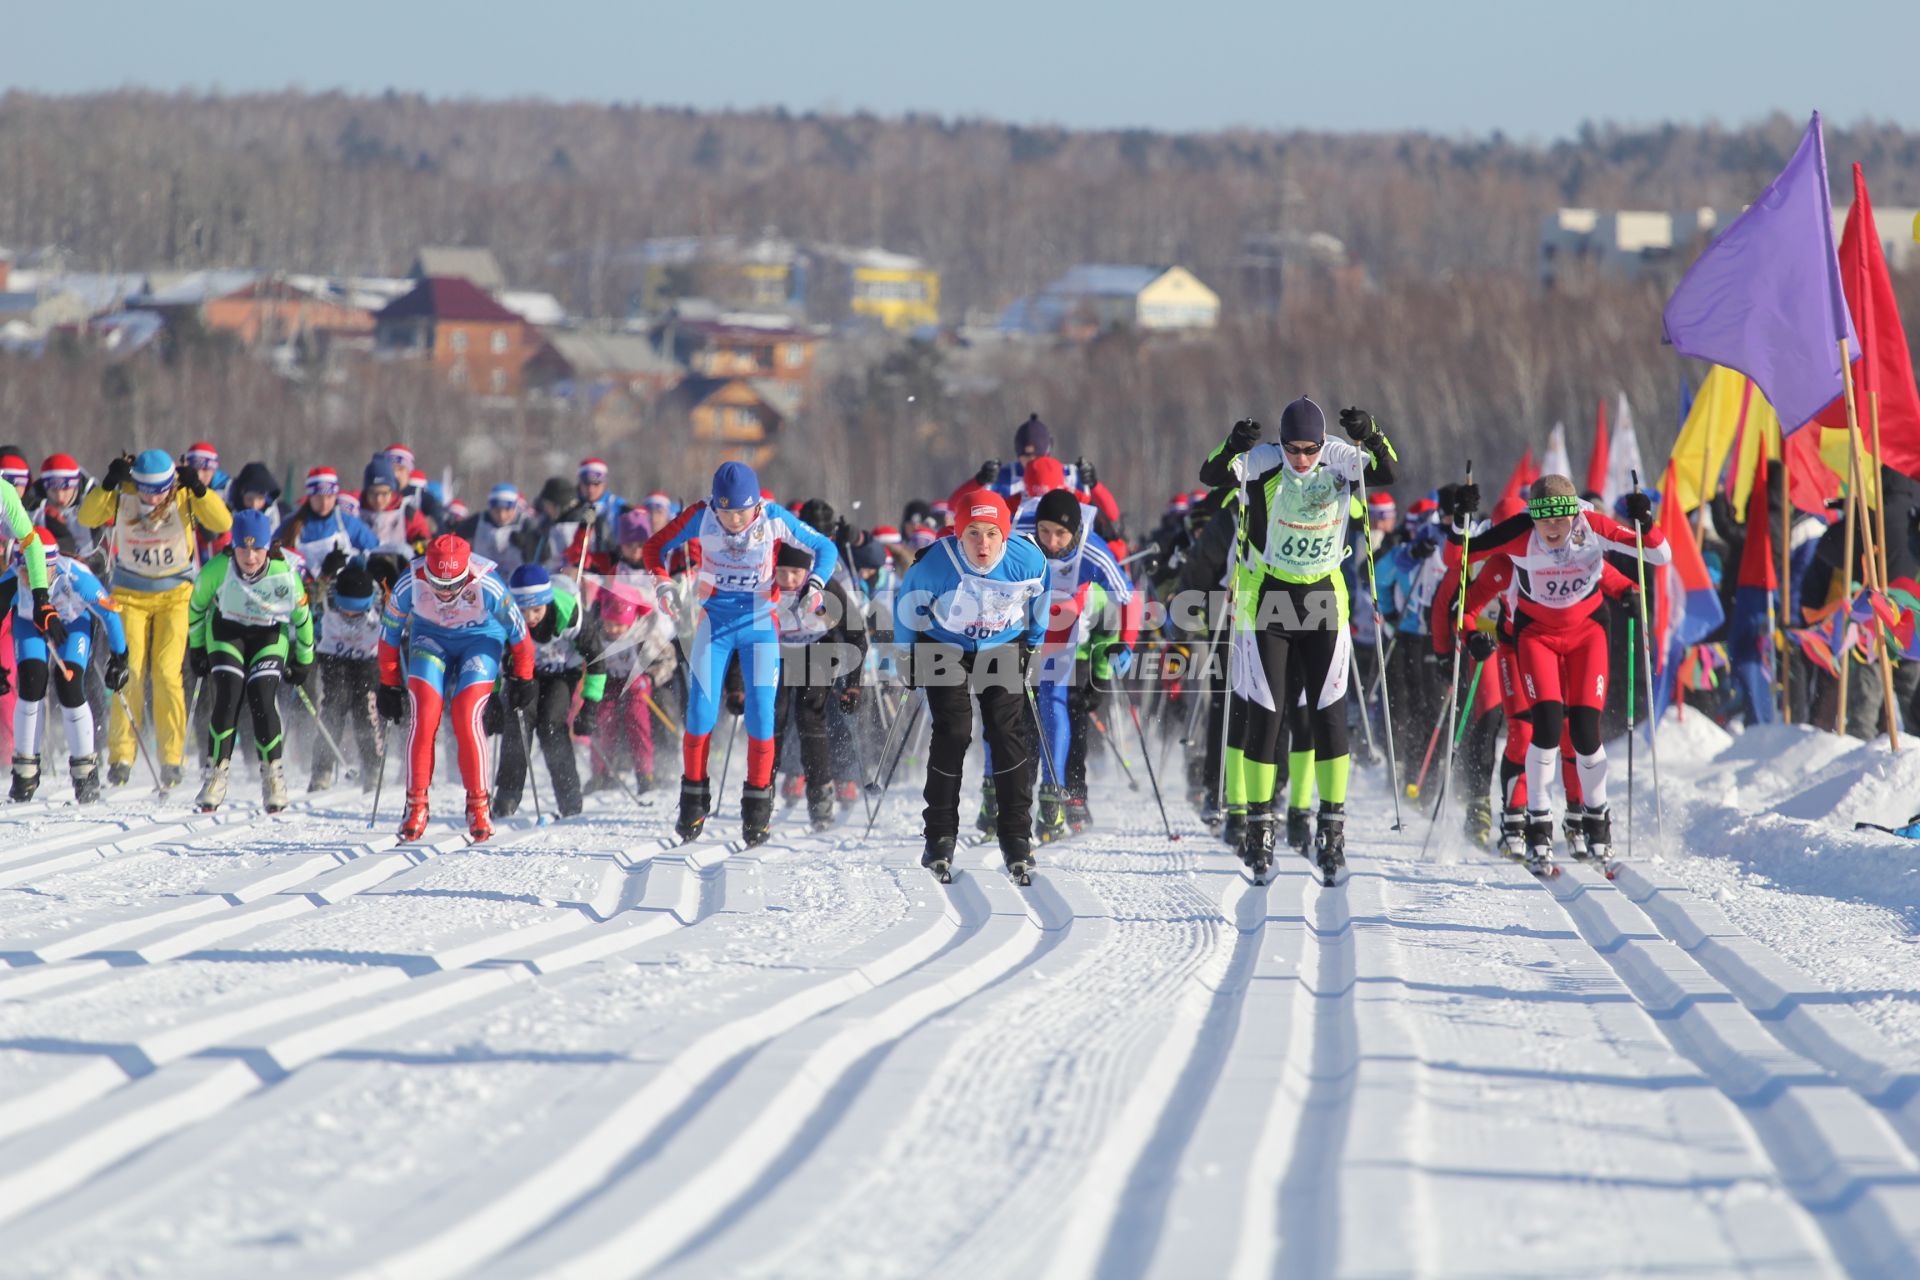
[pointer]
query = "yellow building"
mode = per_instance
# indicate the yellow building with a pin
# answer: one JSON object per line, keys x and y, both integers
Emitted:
{"x": 900, "y": 292}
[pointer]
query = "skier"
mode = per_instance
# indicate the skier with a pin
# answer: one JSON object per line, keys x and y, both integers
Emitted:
{"x": 457, "y": 621}
{"x": 348, "y": 659}
{"x": 736, "y": 532}
{"x": 322, "y": 534}
{"x": 566, "y": 641}
{"x": 1290, "y": 598}
{"x": 399, "y": 530}
{"x": 820, "y": 647}
{"x": 249, "y": 624}
{"x": 504, "y": 532}
{"x": 637, "y": 656}
{"x": 587, "y": 525}
{"x": 153, "y": 508}
{"x": 973, "y": 610}
{"x": 1556, "y": 551}
{"x": 78, "y": 599}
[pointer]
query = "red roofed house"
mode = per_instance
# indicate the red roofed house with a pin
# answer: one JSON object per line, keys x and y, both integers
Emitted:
{"x": 472, "y": 341}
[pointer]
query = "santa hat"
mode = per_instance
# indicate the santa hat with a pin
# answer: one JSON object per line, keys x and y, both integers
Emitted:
{"x": 201, "y": 455}
{"x": 1043, "y": 475}
{"x": 1379, "y": 504}
{"x": 593, "y": 469}
{"x": 13, "y": 469}
{"x": 886, "y": 535}
{"x": 323, "y": 480}
{"x": 400, "y": 456}
{"x": 60, "y": 466}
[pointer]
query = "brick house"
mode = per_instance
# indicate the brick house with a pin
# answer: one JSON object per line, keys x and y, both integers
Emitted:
{"x": 470, "y": 340}
{"x": 730, "y": 415}
{"x": 274, "y": 311}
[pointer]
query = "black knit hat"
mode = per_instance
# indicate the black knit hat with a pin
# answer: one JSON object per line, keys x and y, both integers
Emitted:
{"x": 1303, "y": 422}
{"x": 793, "y": 555}
{"x": 1062, "y": 508}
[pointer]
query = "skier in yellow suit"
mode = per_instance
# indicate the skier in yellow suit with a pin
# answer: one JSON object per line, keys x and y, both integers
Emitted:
{"x": 152, "y": 507}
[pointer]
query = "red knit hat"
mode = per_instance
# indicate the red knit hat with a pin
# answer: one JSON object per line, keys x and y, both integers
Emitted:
{"x": 1043, "y": 476}
{"x": 985, "y": 506}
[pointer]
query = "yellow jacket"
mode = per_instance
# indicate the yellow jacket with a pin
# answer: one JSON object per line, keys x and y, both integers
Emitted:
{"x": 101, "y": 507}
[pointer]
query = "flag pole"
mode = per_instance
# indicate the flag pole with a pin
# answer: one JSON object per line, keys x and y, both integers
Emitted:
{"x": 1872, "y": 574}
{"x": 1781, "y": 653}
{"x": 1879, "y": 483}
{"x": 1848, "y": 562}
{"x": 1706, "y": 464}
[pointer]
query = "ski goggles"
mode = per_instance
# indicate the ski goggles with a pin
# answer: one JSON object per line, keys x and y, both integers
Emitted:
{"x": 154, "y": 488}
{"x": 1553, "y": 507}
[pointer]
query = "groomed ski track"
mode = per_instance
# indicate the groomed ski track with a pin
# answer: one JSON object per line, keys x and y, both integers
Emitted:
{"x": 234, "y": 1045}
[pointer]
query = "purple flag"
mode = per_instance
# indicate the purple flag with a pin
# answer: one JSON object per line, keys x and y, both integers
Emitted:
{"x": 1765, "y": 297}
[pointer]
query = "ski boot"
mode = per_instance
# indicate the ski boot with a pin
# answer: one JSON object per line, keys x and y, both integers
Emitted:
{"x": 1079, "y": 816}
{"x": 169, "y": 776}
{"x": 792, "y": 790}
{"x": 938, "y": 858}
{"x": 479, "y": 821}
{"x": 821, "y": 810}
{"x": 1018, "y": 851}
{"x": 989, "y": 816}
{"x": 273, "y": 785}
{"x": 1575, "y": 827}
{"x": 1052, "y": 823}
{"x": 322, "y": 776}
{"x": 1300, "y": 830}
{"x": 756, "y": 815}
{"x": 566, "y": 803}
{"x": 1480, "y": 821}
{"x": 506, "y": 803}
{"x": 86, "y": 778}
{"x": 696, "y": 802}
{"x": 1211, "y": 814}
{"x": 1513, "y": 834}
{"x": 213, "y": 792}
{"x": 119, "y": 775}
{"x": 1233, "y": 832}
{"x": 643, "y": 783}
{"x": 848, "y": 793}
{"x": 1599, "y": 833}
{"x": 1539, "y": 851}
{"x": 26, "y": 778}
{"x": 1331, "y": 841}
{"x": 413, "y": 822}
{"x": 1257, "y": 851}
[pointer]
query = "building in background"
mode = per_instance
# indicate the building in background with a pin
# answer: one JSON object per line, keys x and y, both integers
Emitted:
{"x": 839, "y": 285}
{"x": 467, "y": 337}
{"x": 1097, "y": 297}
{"x": 1578, "y": 246}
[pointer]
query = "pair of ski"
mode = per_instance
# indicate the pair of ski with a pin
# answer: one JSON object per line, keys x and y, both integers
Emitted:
{"x": 1330, "y": 877}
{"x": 1020, "y": 872}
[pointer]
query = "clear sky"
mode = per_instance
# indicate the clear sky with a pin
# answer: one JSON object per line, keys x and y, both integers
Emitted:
{"x": 1533, "y": 68}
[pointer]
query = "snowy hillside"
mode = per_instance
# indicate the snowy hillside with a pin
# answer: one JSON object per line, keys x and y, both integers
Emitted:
{"x": 251, "y": 1046}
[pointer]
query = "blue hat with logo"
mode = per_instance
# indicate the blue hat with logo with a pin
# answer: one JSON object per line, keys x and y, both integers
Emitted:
{"x": 531, "y": 585}
{"x": 252, "y": 529}
{"x": 735, "y": 487}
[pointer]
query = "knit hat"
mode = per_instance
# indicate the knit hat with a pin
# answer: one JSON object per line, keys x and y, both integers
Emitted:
{"x": 201, "y": 455}
{"x": 153, "y": 470}
{"x": 1032, "y": 434}
{"x": 593, "y": 469}
{"x": 323, "y": 480}
{"x": 634, "y": 527}
{"x": 868, "y": 554}
{"x": 1062, "y": 508}
{"x": 59, "y": 467}
{"x": 252, "y": 529}
{"x": 378, "y": 472}
{"x": 400, "y": 456}
{"x": 792, "y": 555}
{"x": 988, "y": 507}
{"x": 13, "y": 469}
{"x": 619, "y": 610}
{"x": 556, "y": 493}
{"x": 531, "y": 585}
{"x": 503, "y": 495}
{"x": 353, "y": 590}
{"x": 735, "y": 487}
{"x": 1302, "y": 422}
{"x": 1043, "y": 475}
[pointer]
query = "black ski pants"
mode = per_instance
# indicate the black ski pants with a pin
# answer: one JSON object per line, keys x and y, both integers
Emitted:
{"x": 1007, "y": 722}
{"x": 551, "y": 714}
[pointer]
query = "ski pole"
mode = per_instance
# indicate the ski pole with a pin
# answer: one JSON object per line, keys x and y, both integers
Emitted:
{"x": 380, "y": 778}
{"x": 526, "y": 754}
{"x": 1459, "y": 623}
{"x": 727, "y": 760}
{"x": 139, "y": 738}
{"x": 1466, "y": 708}
{"x": 1630, "y": 692}
{"x": 1382, "y": 648}
{"x": 859, "y": 734}
{"x": 1134, "y": 711}
{"x": 665, "y": 719}
{"x": 907, "y": 717}
{"x": 1433, "y": 741}
{"x": 1646, "y": 654}
{"x": 345, "y": 768}
{"x": 1106, "y": 736}
{"x": 1366, "y": 719}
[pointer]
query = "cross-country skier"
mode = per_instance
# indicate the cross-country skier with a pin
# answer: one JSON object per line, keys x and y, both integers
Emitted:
{"x": 457, "y": 622}
{"x": 823, "y": 653}
{"x": 736, "y": 533}
{"x": 348, "y": 648}
{"x": 325, "y": 536}
{"x": 973, "y": 610}
{"x": 249, "y": 625}
{"x": 638, "y": 658}
{"x": 1557, "y": 554}
{"x": 1290, "y": 601}
{"x": 566, "y": 639}
{"x": 78, "y": 599}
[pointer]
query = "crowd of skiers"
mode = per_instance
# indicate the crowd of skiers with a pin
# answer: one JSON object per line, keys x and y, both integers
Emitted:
{"x": 1284, "y": 604}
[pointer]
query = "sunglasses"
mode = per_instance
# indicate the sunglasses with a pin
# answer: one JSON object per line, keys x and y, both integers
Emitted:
{"x": 155, "y": 490}
{"x": 63, "y": 484}
{"x": 1301, "y": 450}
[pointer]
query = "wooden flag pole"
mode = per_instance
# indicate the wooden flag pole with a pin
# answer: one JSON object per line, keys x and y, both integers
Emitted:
{"x": 1879, "y": 484}
{"x": 1872, "y": 575}
{"x": 1782, "y": 653}
{"x": 1847, "y": 560}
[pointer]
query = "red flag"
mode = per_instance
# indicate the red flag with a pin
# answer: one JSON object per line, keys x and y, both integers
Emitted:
{"x": 1513, "y": 498}
{"x": 1885, "y": 365}
{"x": 1756, "y": 558}
{"x": 1597, "y": 460}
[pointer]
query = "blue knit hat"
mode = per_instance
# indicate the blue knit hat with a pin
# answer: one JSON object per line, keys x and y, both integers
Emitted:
{"x": 153, "y": 470}
{"x": 735, "y": 487}
{"x": 531, "y": 585}
{"x": 1303, "y": 422}
{"x": 252, "y": 529}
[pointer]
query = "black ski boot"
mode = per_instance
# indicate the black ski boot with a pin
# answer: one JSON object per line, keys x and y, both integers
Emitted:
{"x": 696, "y": 802}
{"x": 1079, "y": 817}
{"x": 989, "y": 816}
{"x": 1257, "y": 852}
{"x": 756, "y": 815}
{"x": 938, "y": 858}
{"x": 1598, "y": 826}
{"x": 1233, "y": 832}
{"x": 1539, "y": 853}
{"x": 1052, "y": 823}
{"x": 26, "y": 778}
{"x": 1331, "y": 839}
{"x": 821, "y": 810}
{"x": 1513, "y": 834}
{"x": 1574, "y": 825}
{"x": 86, "y": 778}
{"x": 1300, "y": 830}
{"x": 1018, "y": 851}
{"x": 119, "y": 775}
{"x": 1211, "y": 814}
{"x": 506, "y": 803}
{"x": 1480, "y": 821}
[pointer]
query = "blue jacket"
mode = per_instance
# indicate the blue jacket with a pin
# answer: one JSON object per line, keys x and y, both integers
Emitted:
{"x": 75, "y": 593}
{"x": 944, "y": 598}
{"x": 314, "y": 536}
{"x": 746, "y": 589}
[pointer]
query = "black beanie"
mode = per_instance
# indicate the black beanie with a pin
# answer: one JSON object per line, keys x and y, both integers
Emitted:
{"x": 793, "y": 555}
{"x": 1033, "y": 434}
{"x": 1302, "y": 421}
{"x": 354, "y": 582}
{"x": 1061, "y": 507}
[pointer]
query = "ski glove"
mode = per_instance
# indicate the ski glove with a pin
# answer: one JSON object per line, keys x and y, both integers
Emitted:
{"x": 1245, "y": 434}
{"x": 1466, "y": 501}
{"x": 850, "y": 699}
{"x": 46, "y": 619}
{"x": 6, "y": 682}
{"x": 392, "y": 702}
{"x": 119, "y": 472}
{"x": 737, "y": 701}
{"x": 1640, "y": 510}
{"x": 1480, "y": 646}
{"x": 190, "y": 480}
{"x": 1088, "y": 478}
{"x": 116, "y": 672}
{"x": 667, "y": 596}
{"x": 583, "y": 722}
{"x": 521, "y": 693}
{"x": 989, "y": 472}
{"x": 297, "y": 673}
{"x": 1357, "y": 423}
{"x": 200, "y": 662}
{"x": 336, "y": 561}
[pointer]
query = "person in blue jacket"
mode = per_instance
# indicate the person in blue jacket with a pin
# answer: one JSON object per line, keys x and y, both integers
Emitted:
{"x": 973, "y": 610}
{"x": 734, "y": 536}
{"x": 325, "y": 537}
{"x": 79, "y": 599}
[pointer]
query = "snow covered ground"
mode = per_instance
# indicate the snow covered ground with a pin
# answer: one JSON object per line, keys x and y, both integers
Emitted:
{"x": 254, "y": 1046}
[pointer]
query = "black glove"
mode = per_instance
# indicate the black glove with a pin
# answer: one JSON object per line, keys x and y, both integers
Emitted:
{"x": 297, "y": 672}
{"x": 1357, "y": 423}
{"x": 336, "y": 561}
{"x": 46, "y": 620}
{"x": 989, "y": 472}
{"x": 492, "y": 719}
{"x": 201, "y": 662}
{"x": 1629, "y": 601}
{"x": 119, "y": 472}
{"x": 850, "y": 699}
{"x": 1420, "y": 549}
{"x": 1640, "y": 510}
{"x": 1245, "y": 434}
{"x": 583, "y": 721}
{"x": 1027, "y": 655}
{"x": 190, "y": 480}
{"x": 1466, "y": 501}
{"x": 391, "y": 700}
{"x": 521, "y": 693}
{"x": 736, "y": 702}
{"x": 116, "y": 673}
{"x": 1480, "y": 646}
{"x": 6, "y": 681}
{"x": 1088, "y": 478}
